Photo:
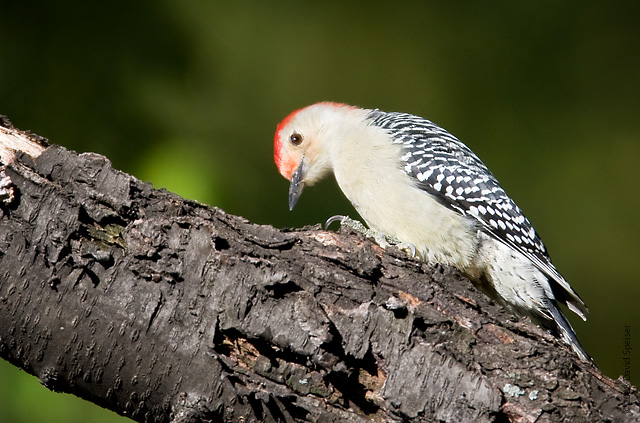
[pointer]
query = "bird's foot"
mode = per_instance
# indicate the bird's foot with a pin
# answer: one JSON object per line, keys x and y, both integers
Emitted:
{"x": 380, "y": 238}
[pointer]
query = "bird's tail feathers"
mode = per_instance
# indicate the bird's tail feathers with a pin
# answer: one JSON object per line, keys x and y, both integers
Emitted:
{"x": 565, "y": 331}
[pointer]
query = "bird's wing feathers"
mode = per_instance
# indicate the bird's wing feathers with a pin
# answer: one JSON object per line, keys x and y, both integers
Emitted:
{"x": 449, "y": 170}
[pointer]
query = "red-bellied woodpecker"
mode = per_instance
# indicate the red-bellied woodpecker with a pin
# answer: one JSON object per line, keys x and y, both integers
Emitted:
{"x": 413, "y": 181}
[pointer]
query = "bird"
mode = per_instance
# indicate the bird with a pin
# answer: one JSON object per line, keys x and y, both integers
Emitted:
{"x": 414, "y": 183}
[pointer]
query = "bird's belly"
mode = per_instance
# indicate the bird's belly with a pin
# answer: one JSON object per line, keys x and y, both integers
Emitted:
{"x": 394, "y": 206}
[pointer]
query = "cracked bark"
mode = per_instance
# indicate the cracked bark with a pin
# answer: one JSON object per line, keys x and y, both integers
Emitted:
{"x": 163, "y": 309}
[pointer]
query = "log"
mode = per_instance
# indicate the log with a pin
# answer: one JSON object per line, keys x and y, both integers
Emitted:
{"x": 166, "y": 310}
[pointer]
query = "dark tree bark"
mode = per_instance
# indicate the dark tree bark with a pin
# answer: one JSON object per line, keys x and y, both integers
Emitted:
{"x": 163, "y": 309}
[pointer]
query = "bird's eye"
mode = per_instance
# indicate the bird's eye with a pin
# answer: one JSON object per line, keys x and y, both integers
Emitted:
{"x": 295, "y": 138}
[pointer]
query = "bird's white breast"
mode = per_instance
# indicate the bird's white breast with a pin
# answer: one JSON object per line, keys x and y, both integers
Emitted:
{"x": 389, "y": 200}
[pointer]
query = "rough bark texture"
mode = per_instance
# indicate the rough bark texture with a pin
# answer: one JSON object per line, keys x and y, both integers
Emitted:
{"x": 163, "y": 309}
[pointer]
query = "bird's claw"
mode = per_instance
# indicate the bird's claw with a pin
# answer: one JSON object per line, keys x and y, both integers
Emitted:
{"x": 350, "y": 223}
{"x": 381, "y": 239}
{"x": 336, "y": 218}
{"x": 407, "y": 247}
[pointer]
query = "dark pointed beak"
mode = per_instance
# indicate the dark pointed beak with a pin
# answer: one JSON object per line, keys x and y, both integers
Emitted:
{"x": 297, "y": 184}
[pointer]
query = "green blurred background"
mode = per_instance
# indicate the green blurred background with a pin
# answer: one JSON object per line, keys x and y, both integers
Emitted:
{"x": 187, "y": 95}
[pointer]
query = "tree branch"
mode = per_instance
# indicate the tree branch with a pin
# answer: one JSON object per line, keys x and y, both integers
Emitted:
{"x": 163, "y": 309}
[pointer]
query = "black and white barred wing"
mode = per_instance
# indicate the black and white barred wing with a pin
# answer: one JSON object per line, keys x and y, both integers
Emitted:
{"x": 449, "y": 170}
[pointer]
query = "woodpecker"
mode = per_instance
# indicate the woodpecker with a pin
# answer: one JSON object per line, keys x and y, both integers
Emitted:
{"x": 413, "y": 181}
